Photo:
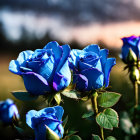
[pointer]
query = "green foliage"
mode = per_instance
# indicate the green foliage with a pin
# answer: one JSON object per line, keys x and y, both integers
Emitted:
{"x": 134, "y": 74}
{"x": 71, "y": 133}
{"x": 51, "y": 135}
{"x": 65, "y": 121}
{"x": 108, "y": 119}
{"x": 74, "y": 137}
{"x": 19, "y": 130}
{"x": 24, "y": 95}
{"x": 95, "y": 137}
{"x": 71, "y": 94}
{"x": 110, "y": 138}
{"x": 108, "y": 99}
{"x": 57, "y": 98}
{"x": 126, "y": 125}
{"x": 131, "y": 57}
{"x": 88, "y": 115}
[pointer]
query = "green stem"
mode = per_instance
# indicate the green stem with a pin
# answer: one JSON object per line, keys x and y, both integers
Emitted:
{"x": 136, "y": 94}
{"x": 102, "y": 133}
{"x": 95, "y": 106}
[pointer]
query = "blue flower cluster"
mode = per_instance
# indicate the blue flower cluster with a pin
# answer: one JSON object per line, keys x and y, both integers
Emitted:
{"x": 48, "y": 70}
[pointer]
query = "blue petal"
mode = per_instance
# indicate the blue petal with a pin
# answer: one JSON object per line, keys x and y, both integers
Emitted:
{"x": 125, "y": 51}
{"x": 40, "y": 132}
{"x": 131, "y": 42}
{"x": 81, "y": 82}
{"x": 92, "y": 48}
{"x": 59, "y": 82}
{"x": 57, "y": 50}
{"x": 24, "y": 69}
{"x": 64, "y": 58}
{"x": 138, "y": 49}
{"x": 46, "y": 111}
{"x": 108, "y": 66}
{"x": 29, "y": 116}
{"x": 51, "y": 124}
{"x": 74, "y": 57}
{"x": 95, "y": 78}
{"x": 62, "y": 78}
{"x": 59, "y": 112}
{"x": 14, "y": 67}
{"x": 47, "y": 70}
{"x": 95, "y": 63}
{"x": 103, "y": 54}
{"x": 83, "y": 66}
{"x": 59, "y": 130}
{"x": 24, "y": 56}
{"x": 35, "y": 83}
{"x": 13, "y": 111}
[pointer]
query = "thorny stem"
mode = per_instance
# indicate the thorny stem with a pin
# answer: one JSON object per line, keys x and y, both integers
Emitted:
{"x": 95, "y": 106}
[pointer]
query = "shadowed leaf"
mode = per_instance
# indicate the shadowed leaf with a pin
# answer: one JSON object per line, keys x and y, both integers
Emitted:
{"x": 24, "y": 96}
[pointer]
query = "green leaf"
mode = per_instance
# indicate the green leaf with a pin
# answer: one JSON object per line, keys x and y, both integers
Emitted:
{"x": 108, "y": 99}
{"x": 71, "y": 94}
{"x": 108, "y": 119}
{"x": 74, "y": 137}
{"x": 50, "y": 134}
{"x": 95, "y": 137}
{"x": 24, "y": 96}
{"x": 126, "y": 125}
{"x": 88, "y": 115}
{"x": 65, "y": 121}
{"x": 57, "y": 98}
{"x": 19, "y": 130}
{"x": 110, "y": 138}
{"x": 70, "y": 133}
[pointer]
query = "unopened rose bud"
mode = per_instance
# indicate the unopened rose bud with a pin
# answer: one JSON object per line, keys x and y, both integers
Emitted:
{"x": 131, "y": 57}
{"x": 134, "y": 74}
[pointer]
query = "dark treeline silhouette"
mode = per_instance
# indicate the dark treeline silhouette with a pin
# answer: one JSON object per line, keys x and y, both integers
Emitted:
{"x": 31, "y": 42}
{"x": 79, "y": 11}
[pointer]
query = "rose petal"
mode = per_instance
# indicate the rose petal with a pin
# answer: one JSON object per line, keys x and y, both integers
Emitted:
{"x": 132, "y": 42}
{"x": 46, "y": 111}
{"x": 74, "y": 57}
{"x": 92, "y": 48}
{"x": 24, "y": 56}
{"x": 24, "y": 69}
{"x": 14, "y": 67}
{"x": 35, "y": 83}
{"x": 64, "y": 58}
{"x": 57, "y": 50}
{"x": 40, "y": 132}
{"x": 59, "y": 112}
{"x": 83, "y": 66}
{"x": 81, "y": 82}
{"x": 108, "y": 66}
{"x": 29, "y": 116}
{"x": 62, "y": 78}
{"x": 103, "y": 54}
{"x": 95, "y": 78}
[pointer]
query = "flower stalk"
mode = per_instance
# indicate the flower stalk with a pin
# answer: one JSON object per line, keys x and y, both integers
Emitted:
{"x": 136, "y": 94}
{"x": 95, "y": 107}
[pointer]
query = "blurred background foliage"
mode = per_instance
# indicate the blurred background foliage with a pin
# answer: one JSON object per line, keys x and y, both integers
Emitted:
{"x": 28, "y": 25}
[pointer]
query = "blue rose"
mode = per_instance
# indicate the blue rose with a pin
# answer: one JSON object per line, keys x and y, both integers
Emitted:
{"x": 7, "y": 111}
{"x": 50, "y": 117}
{"x": 44, "y": 70}
{"x": 91, "y": 67}
{"x": 132, "y": 43}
